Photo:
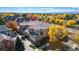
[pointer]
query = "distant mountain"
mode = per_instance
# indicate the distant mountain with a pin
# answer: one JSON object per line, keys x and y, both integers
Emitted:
{"x": 39, "y": 10}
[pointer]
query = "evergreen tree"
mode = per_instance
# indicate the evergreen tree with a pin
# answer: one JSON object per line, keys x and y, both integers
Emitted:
{"x": 19, "y": 46}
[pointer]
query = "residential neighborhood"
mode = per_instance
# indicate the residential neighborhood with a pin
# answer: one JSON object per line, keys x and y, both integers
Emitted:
{"x": 39, "y": 32}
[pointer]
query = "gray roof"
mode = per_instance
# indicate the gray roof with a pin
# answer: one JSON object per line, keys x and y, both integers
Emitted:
{"x": 3, "y": 28}
{"x": 36, "y": 24}
{"x": 3, "y": 37}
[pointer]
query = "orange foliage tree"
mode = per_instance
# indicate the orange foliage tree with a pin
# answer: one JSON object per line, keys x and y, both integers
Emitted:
{"x": 11, "y": 25}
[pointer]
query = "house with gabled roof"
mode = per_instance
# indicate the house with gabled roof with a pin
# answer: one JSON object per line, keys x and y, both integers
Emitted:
{"x": 6, "y": 43}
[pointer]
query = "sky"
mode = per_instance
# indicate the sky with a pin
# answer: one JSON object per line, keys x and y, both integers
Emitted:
{"x": 73, "y": 10}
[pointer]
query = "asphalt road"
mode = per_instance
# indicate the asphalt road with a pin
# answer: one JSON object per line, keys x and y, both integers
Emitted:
{"x": 26, "y": 44}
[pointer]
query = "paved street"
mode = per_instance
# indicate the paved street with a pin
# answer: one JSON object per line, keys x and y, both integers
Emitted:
{"x": 26, "y": 44}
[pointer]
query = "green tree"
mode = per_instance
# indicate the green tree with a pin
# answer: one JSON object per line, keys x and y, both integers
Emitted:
{"x": 19, "y": 46}
{"x": 69, "y": 17}
{"x": 2, "y": 22}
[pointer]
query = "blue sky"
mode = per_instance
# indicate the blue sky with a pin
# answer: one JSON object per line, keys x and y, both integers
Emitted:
{"x": 40, "y": 9}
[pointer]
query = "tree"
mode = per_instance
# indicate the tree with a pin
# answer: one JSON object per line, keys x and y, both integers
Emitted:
{"x": 7, "y": 14}
{"x": 61, "y": 21}
{"x": 69, "y": 16}
{"x": 71, "y": 23}
{"x": 12, "y": 25}
{"x": 75, "y": 37}
{"x": 2, "y": 22}
{"x": 19, "y": 46}
{"x": 51, "y": 20}
{"x": 56, "y": 36}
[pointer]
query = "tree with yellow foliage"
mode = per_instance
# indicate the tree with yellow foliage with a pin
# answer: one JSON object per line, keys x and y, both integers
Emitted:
{"x": 51, "y": 31}
{"x": 71, "y": 23}
{"x": 75, "y": 37}
{"x": 56, "y": 36}
{"x": 51, "y": 20}
{"x": 7, "y": 14}
{"x": 61, "y": 21}
{"x": 56, "y": 21}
